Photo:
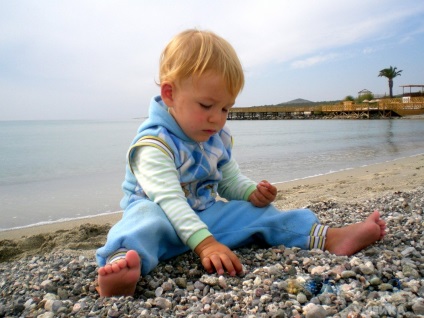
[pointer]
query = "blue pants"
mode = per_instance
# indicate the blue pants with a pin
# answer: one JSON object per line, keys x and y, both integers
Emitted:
{"x": 145, "y": 228}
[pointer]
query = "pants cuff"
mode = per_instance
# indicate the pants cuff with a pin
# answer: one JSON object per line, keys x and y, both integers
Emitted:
{"x": 317, "y": 236}
{"x": 116, "y": 256}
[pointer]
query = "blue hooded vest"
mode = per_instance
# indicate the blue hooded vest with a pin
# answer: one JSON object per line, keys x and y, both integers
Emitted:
{"x": 198, "y": 164}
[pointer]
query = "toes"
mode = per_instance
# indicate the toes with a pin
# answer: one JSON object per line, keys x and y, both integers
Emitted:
{"x": 108, "y": 269}
{"x": 105, "y": 270}
{"x": 375, "y": 216}
{"x": 115, "y": 267}
{"x": 122, "y": 263}
{"x": 132, "y": 259}
{"x": 102, "y": 271}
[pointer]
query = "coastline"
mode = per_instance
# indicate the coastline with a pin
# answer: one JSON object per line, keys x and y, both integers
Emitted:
{"x": 351, "y": 185}
{"x": 53, "y": 273}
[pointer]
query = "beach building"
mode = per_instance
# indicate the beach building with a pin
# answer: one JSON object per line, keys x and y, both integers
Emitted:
{"x": 419, "y": 92}
{"x": 364, "y": 92}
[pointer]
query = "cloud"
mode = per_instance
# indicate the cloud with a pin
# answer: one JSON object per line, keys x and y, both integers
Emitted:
{"x": 100, "y": 52}
{"x": 313, "y": 60}
{"x": 286, "y": 30}
{"x": 369, "y": 50}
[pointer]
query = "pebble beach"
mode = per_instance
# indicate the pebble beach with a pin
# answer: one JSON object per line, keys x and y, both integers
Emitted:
{"x": 50, "y": 271}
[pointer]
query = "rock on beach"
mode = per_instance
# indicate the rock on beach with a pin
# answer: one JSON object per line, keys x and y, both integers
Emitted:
{"x": 386, "y": 279}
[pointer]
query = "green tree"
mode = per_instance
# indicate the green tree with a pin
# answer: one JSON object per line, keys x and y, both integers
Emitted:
{"x": 368, "y": 97}
{"x": 390, "y": 73}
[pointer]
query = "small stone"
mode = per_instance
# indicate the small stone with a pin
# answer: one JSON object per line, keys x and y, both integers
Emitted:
{"x": 28, "y": 303}
{"x": 181, "y": 282}
{"x": 409, "y": 270}
{"x": 57, "y": 304}
{"x": 47, "y": 314}
{"x": 50, "y": 296}
{"x": 307, "y": 261}
{"x": 391, "y": 310}
{"x": 418, "y": 306}
{"x": 367, "y": 268}
{"x": 348, "y": 274}
{"x": 169, "y": 268}
{"x": 291, "y": 271}
{"x": 163, "y": 303}
{"x": 47, "y": 285}
{"x": 222, "y": 282}
{"x": 407, "y": 251}
{"x": 301, "y": 298}
{"x": 167, "y": 286}
{"x": 209, "y": 280}
{"x": 265, "y": 298}
{"x": 76, "y": 308}
{"x": 385, "y": 287}
{"x": 318, "y": 270}
{"x": 62, "y": 293}
{"x": 113, "y": 313}
{"x": 159, "y": 291}
{"x": 314, "y": 311}
{"x": 257, "y": 281}
{"x": 199, "y": 285}
{"x": 259, "y": 292}
{"x": 206, "y": 300}
{"x": 375, "y": 281}
{"x": 274, "y": 270}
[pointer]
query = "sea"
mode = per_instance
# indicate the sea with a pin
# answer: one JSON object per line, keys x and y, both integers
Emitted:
{"x": 53, "y": 171}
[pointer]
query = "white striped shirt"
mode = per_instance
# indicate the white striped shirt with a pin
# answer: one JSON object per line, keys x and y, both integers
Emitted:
{"x": 157, "y": 174}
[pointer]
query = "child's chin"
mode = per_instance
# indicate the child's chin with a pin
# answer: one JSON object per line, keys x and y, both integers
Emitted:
{"x": 202, "y": 138}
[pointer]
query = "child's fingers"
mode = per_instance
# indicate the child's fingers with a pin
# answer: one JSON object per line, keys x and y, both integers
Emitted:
{"x": 271, "y": 188}
{"x": 228, "y": 264}
{"x": 265, "y": 194}
{"x": 264, "y": 183}
{"x": 216, "y": 264}
{"x": 207, "y": 264}
{"x": 236, "y": 263}
{"x": 222, "y": 262}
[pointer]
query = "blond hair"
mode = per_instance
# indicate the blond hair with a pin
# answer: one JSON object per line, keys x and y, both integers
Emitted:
{"x": 193, "y": 52}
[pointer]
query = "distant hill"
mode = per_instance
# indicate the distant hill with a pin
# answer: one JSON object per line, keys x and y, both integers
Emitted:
{"x": 297, "y": 101}
{"x": 301, "y": 101}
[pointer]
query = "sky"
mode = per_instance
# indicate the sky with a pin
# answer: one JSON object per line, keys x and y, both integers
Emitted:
{"x": 98, "y": 59}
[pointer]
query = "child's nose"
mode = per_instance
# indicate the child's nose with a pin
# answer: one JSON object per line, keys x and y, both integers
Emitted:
{"x": 215, "y": 117}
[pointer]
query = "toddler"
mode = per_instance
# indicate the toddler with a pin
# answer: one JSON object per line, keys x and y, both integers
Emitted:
{"x": 181, "y": 159}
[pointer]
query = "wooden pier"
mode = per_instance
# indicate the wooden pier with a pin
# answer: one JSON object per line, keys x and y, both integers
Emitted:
{"x": 384, "y": 108}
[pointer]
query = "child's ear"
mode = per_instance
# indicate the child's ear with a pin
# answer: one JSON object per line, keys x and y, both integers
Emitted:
{"x": 167, "y": 93}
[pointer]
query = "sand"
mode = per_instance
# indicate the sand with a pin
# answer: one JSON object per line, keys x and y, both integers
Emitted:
{"x": 352, "y": 185}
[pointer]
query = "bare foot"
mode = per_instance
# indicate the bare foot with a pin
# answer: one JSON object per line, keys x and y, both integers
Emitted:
{"x": 120, "y": 278}
{"x": 352, "y": 238}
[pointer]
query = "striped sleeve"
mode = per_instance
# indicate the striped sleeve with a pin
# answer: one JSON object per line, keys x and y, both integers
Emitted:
{"x": 155, "y": 171}
{"x": 234, "y": 185}
{"x": 152, "y": 141}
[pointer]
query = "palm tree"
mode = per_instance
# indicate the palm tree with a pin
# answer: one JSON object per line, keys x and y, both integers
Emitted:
{"x": 390, "y": 73}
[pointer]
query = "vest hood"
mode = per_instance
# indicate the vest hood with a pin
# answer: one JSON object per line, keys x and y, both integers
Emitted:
{"x": 159, "y": 116}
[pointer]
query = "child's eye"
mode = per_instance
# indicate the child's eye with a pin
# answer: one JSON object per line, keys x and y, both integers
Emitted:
{"x": 205, "y": 106}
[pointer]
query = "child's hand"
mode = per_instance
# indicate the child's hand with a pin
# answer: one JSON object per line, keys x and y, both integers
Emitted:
{"x": 264, "y": 194}
{"x": 215, "y": 255}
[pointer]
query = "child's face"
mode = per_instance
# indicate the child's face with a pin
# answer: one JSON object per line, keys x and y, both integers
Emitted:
{"x": 200, "y": 106}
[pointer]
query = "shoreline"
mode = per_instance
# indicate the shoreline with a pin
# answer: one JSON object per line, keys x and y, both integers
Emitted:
{"x": 53, "y": 274}
{"x": 350, "y": 185}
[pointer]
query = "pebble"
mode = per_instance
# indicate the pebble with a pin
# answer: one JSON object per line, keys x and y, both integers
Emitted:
{"x": 348, "y": 274}
{"x": 314, "y": 311}
{"x": 367, "y": 268}
{"x": 418, "y": 306}
{"x": 301, "y": 298}
{"x": 386, "y": 279}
